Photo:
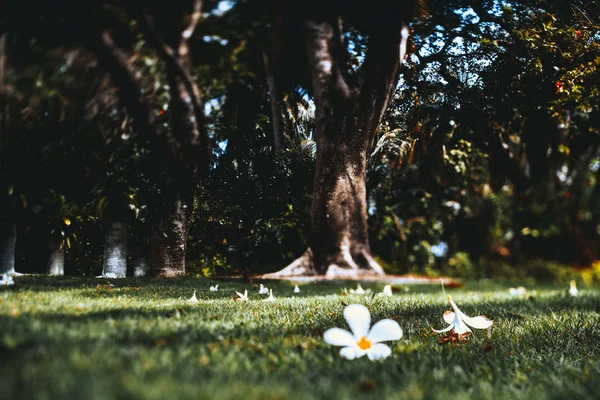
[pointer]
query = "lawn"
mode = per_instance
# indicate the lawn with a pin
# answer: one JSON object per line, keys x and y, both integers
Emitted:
{"x": 77, "y": 338}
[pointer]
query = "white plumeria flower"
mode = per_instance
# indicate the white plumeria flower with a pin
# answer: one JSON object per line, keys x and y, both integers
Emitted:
{"x": 520, "y": 291}
{"x": 362, "y": 341}
{"x": 263, "y": 289}
{"x": 270, "y": 298}
{"x": 7, "y": 280}
{"x": 358, "y": 290}
{"x": 573, "y": 288}
{"x": 458, "y": 321}
{"x": 296, "y": 289}
{"x": 387, "y": 291}
{"x": 214, "y": 288}
{"x": 242, "y": 297}
{"x": 193, "y": 299}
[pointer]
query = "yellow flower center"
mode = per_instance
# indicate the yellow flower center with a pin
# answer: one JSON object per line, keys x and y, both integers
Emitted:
{"x": 364, "y": 343}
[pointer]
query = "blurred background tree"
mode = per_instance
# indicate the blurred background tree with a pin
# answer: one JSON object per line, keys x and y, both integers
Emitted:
{"x": 487, "y": 162}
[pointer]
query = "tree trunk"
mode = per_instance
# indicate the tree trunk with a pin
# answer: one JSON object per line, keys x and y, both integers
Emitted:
{"x": 185, "y": 147}
{"x": 55, "y": 264}
{"x": 347, "y": 117}
{"x": 275, "y": 100}
{"x": 115, "y": 250}
{"x": 141, "y": 258}
{"x": 141, "y": 265}
{"x": 8, "y": 231}
{"x": 170, "y": 233}
{"x": 8, "y": 240}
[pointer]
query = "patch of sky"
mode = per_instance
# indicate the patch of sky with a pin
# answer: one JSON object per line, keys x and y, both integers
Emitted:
{"x": 439, "y": 250}
{"x": 372, "y": 207}
{"x": 215, "y": 38}
{"x": 223, "y": 145}
{"x": 212, "y": 105}
{"x": 221, "y": 8}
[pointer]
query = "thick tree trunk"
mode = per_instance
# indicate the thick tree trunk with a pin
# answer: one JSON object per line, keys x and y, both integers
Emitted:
{"x": 170, "y": 233}
{"x": 347, "y": 117}
{"x": 55, "y": 263}
{"x": 115, "y": 250}
{"x": 8, "y": 241}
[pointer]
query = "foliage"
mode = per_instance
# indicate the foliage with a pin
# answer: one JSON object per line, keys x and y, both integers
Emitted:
{"x": 253, "y": 213}
{"x": 517, "y": 84}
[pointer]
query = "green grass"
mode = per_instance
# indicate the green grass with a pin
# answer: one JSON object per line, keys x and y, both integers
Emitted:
{"x": 73, "y": 338}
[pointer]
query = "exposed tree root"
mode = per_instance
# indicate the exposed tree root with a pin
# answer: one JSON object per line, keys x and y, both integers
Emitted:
{"x": 302, "y": 266}
{"x": 345, "y": 267}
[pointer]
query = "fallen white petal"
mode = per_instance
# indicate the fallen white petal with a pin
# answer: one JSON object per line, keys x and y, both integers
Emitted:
{"x": 449, "y": 317}
{"x": 460, "y": 327}
{"x": 443, "y": 330}
{"x": 193, "y": 299}
{"x": 479, "y": 322}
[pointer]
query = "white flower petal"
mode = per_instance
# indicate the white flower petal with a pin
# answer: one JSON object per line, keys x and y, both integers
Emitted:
{"x": 378, "y": 351}
{"x": 359, "y": 319}
{"x": 449, "y": 317}
{"x": 349, "y": 352}
{"x": 443, "y": 330}
{"x": 461, "y": 328}
{"x": 385, "y": 330}
{"x": 479, "y": 322}
{"x": 339, "y": 337}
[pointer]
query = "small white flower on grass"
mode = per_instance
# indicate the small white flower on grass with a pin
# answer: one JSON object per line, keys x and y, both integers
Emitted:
{"x": 387, "y": 291}
{"x": 362, "y": 340}
{"x": 296, "y": 289}
{"x": 358, "y": 290}
{"x": 270, "y": 298}
{"x": 458, "y": 321}
{"x": 214, "y": 288}
{"x": 193, "y": 299}
{"x": 7, "y": 280}
{"x": 241, "y": 297}
{"x": 573, "y": 288}
{"x": 520, "y": 291}
{"x": 263, "y": 289}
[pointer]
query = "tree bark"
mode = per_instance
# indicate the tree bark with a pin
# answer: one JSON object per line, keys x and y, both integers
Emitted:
{"x": 141, "y": 255}
{"x": 115, "y": 250}
{"x": 141, "y": 265}
{"x": 55, "y": 263}
{"x": 275, "y": 100}
{"x": 347, "y": 117}
{"x": 170, "y": 232}
{"x": 8, "y": 241}
{"x": 8, "y": 231}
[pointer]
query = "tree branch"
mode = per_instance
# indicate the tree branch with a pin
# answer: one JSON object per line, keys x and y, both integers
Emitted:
{"x": 114, "y": 60}
{"x": 167, "y": 54}
{"x": 380, "y": 73}
{"x": 195, "y": 19}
